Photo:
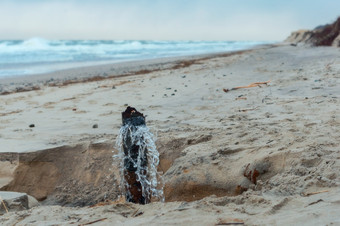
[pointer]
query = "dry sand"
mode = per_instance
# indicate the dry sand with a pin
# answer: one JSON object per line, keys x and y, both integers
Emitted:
{"x": 267, "y": 155}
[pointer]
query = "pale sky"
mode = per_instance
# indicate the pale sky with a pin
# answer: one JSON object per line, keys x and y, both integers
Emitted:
{"x": 258, "y": 20}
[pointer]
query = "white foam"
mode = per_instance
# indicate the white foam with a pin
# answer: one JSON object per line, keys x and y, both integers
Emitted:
{"x": 148, "y": 176}
{"x": 40, "y": 51}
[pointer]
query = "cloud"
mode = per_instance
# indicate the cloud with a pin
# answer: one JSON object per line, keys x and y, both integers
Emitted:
{"x": 198, "y": 20}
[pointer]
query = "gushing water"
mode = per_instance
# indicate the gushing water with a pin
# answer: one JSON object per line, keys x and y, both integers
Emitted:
{"x": 144, "y": 161}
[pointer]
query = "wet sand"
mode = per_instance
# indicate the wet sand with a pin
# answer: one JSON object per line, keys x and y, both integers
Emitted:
{"x": 211, "y": 142}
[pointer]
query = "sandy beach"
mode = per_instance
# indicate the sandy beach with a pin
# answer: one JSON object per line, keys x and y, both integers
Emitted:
{"x": 264, "y": 155}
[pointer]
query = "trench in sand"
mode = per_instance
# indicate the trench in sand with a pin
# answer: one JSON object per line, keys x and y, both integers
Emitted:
{"x": 84, "y": 175}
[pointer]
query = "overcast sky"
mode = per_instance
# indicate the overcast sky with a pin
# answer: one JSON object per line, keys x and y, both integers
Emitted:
{"x": 265, "y": 20}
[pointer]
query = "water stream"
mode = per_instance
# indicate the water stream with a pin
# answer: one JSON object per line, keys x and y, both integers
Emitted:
{"x": 144, "y": 161}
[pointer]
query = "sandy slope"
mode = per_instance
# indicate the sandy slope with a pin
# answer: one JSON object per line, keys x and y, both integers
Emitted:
{"x": 288, "y": 131}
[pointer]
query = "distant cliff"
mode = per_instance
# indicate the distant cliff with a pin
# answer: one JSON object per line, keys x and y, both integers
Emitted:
{"x": 327, "y": 35}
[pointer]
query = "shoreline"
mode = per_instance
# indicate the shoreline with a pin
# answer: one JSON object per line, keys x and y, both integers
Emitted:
{"x": 25, "y": 83}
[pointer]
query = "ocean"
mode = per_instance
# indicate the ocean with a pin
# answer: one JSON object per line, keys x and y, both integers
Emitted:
{"x": 37, "y": 55}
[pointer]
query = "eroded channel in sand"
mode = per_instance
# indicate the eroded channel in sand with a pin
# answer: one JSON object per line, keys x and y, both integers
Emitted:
{"x": 76, "y": 176}
{"x": 84, "y": 174}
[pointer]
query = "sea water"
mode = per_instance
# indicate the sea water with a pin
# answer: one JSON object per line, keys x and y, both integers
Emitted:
{"x": 37, "y": 55}
{"x": 147, "y": 175}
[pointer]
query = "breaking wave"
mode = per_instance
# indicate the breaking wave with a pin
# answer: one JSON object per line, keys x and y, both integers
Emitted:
{"x": 37, "y": 55}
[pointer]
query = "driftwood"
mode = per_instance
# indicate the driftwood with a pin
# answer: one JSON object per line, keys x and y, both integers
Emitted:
{"x": 230, "y": 221}
{"x": 313, "y": 193}
{"x": 3, "y": 203}
{"x": 92, "y": 222}
{"x": 255, "y": 84}
{"x": 134, "y": 194}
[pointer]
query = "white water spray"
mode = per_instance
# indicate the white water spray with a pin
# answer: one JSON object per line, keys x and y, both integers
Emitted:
{"x": 146, "y": 173}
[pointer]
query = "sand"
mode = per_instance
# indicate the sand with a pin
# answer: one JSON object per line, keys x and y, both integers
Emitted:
{"x": 211, "y": 142}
